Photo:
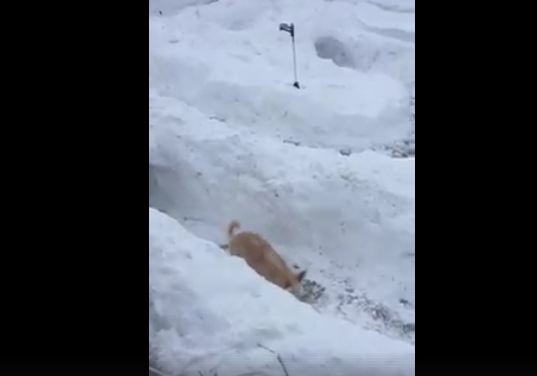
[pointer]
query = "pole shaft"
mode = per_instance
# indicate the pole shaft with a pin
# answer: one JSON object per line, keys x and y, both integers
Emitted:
{"x": 294, "y": 58}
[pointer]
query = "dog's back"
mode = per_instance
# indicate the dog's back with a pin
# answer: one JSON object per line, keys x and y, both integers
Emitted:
{"x": 261, "y": 257}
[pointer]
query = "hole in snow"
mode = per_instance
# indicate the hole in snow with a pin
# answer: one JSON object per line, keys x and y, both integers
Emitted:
{"x": 335, "y": 50}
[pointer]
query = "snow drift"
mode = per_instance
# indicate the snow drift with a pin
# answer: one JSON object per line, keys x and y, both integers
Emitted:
{"x": 348, "y": 219}
{"x": 229, "y": 60}
{"x": 310, "y": 169}
{"x": 210, "y": 311}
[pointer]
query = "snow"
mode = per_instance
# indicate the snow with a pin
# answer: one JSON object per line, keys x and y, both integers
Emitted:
{"x": 213, "y": 311}
{"x": 215, "y": 56}
{"x": 312, "y": 170}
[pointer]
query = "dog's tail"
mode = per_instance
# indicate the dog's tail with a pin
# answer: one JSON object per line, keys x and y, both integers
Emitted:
{"x": 232, "y": 227}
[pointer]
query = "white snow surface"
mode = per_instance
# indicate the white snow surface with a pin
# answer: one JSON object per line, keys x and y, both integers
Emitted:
{"x": 211, "y": 311}
{"x": 230, "y": 138}
{"x": 216, "y": 56}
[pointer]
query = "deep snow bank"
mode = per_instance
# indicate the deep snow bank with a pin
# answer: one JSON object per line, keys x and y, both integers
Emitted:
{"x": 228, "y": 60}
{"x": 349, "y": 220}
{"x": 231, "y": 139}
{"x": 209, "y": 311}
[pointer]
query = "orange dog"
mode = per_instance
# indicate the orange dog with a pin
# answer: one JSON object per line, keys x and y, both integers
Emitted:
{"x": 261, "y": 257}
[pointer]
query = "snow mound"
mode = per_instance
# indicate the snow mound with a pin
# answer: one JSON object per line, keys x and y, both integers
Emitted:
{"x": 209, "y": 312}
{"x": 310, "y": 169}
{"x": 348, "y": 219}
{"x": 229, "y": 60}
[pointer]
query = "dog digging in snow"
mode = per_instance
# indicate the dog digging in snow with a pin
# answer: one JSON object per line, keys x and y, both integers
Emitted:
{"x": 261, "y": 257}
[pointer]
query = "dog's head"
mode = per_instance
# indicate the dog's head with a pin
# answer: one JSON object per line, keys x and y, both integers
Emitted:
{"x": 293, "y": 284}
